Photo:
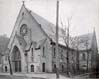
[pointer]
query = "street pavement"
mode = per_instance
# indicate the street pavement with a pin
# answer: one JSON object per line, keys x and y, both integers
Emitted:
{"x": 83, "y": 76}
{"x": 10, "y": 77}
{"x": 39, "y": 76}
{"x": 17, "y": 77}
{"x": 31, "y": 76}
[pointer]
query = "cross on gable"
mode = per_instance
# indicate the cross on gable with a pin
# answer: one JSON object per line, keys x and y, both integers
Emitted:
{"x": 23, "y": 2}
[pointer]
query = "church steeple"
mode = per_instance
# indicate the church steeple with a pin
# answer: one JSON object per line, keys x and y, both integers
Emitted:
{"x": 94, "y": 37}
{"x": 94, "y": 32}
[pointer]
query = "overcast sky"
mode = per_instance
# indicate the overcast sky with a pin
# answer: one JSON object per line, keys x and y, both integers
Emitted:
{"x": 85, "y": 14}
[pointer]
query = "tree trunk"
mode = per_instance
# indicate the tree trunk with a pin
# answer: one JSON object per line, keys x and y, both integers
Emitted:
{"x": 67, "y": 61}
{"x": 11, "y": 73}
{"x": 77, "y": 59}
{"x": 87, "y": 61}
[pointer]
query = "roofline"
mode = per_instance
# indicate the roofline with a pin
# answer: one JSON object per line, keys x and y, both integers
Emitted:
{"x": 15, "y": 24}
{"x": 53, "y": 43}
{"x": 38, "y": 23}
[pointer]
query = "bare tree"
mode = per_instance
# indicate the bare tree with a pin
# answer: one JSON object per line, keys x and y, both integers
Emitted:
{"x": 65, "y": 34}
{"x": 71, "y": 43}
{"x": 75, "y": 46}
{"x": 9, "y": 60}
{"x": 10, "y": 66}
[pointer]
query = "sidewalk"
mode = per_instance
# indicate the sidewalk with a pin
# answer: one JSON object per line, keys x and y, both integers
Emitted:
{"x": 37, "y": 75}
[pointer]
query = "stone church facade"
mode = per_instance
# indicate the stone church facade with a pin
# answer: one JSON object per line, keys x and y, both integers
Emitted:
{"x": 32, "y": 48}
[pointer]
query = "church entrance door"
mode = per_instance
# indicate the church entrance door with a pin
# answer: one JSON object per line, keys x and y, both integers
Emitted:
{"x": 16, "y": 59}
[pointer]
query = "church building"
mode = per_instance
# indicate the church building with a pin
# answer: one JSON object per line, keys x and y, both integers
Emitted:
{"x": 32, "y": 46}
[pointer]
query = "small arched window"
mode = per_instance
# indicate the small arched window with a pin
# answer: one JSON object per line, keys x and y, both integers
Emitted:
{"x": 32, "y": 52}
{"x": 32, "y": 68}
{"x": 83, "y": 56}
{"x": 62, "y": 68}
{"x": 6, "y": 69}
{"x": 43, "y": 51}
{"x": 32, "y": 55}
{"x": 54, "y": 68}
{"x": 54, "y": 52}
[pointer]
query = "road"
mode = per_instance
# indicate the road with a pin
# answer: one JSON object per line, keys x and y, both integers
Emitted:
{"x": 16, "y": 77}
{"x": 50, "y": 77}
{"x": 10, "y": 77}
{"x": 86, "y": 76}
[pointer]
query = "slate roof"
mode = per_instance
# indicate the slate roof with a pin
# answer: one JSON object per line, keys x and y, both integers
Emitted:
{"x": 47, "y": 26}
{"x": 49, "y": 29}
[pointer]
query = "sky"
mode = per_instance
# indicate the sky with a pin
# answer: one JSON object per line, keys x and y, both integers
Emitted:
{"x": 84, "y": 13}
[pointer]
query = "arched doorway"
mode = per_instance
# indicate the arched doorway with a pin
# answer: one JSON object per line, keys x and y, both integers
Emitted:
{"x": 43, "y": 67}
{"x": 6, "y": 69}
{"x": 16, "y": 59}
{"x": 32, "y": 68}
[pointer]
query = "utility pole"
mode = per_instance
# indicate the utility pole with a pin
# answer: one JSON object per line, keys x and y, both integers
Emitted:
{"x": 86, "y": 44}
{"x": 57, "y": 37}
{"x": 68, "y": 48}
{"x": 87, "y": 58}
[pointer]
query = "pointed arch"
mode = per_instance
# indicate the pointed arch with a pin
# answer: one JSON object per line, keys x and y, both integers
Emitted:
{"x": 16, "y": 59}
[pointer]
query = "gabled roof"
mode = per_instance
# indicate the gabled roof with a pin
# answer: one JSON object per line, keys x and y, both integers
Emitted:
{"x": 45, "y": 25}
{"x": 49, "y": 29}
